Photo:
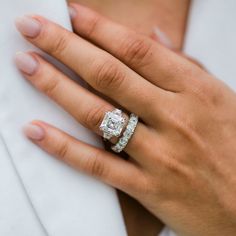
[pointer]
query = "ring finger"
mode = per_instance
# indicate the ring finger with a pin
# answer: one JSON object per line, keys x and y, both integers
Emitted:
{"x": 85, "y": 106}
{"x": 101, "y": 70}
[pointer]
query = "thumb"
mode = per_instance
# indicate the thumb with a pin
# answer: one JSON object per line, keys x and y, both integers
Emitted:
{"x": 160, "y": 37}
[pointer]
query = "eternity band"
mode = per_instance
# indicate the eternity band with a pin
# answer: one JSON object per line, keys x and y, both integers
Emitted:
{"x": 129, "y": 131}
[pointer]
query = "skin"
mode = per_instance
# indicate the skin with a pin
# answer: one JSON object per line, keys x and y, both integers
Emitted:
{"x": 182, "y": 154}
{"x": 170, "y": 17}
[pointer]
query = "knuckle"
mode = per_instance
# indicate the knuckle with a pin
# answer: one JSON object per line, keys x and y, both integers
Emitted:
{"x": 59, "y": 45}
{"x": 95, "y": 166}
{"x": 202, "y": 89}
{"x": 175, "y": 167}
{"x": 94, "y": 117}
{"x": 92, "y": 25}
{"x": 182, "y": 124}
{"x": 48, "y": 86}
{"x": 213, "y": 93}
{"x": 62, "y": 149}
{"x": 209, "y": 92}
{"x": 144, "y": 188}
{"x": 108, "y": 75}
{"x": 135, "y": 49}
{"x": 184, "y": 128}
{"x": 188, "y": 130}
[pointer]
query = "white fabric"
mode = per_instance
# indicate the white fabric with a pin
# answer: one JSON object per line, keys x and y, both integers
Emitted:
{"x": 39, "y": 195}
{"x": 211, "y": 38}
{"x": 167, "y": 232}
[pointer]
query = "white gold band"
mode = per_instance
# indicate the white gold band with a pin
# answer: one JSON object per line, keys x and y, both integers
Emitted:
{"x": 129, "y": 131}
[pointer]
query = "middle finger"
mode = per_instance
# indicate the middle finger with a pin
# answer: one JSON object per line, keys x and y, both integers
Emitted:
{"x": 101, "y": 70}
{"x": 86, "y": 107}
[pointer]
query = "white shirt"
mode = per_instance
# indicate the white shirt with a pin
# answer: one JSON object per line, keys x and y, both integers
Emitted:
{"x": 41, "y": 196}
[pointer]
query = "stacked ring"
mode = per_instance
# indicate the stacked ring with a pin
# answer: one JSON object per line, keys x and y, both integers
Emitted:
{"x": 128, "y": 133}
{"x": 112, "y": 126}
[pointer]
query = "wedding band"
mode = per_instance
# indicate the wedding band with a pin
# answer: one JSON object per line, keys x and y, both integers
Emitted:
{"x": 128, "y": 133}
{"x": 113, "y": 123}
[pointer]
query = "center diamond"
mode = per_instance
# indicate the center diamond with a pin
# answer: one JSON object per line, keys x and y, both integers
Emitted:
{"x": 113, "y": 123}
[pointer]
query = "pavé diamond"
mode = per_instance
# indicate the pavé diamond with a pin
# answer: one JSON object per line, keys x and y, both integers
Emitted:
{"x": 123, "y": 141}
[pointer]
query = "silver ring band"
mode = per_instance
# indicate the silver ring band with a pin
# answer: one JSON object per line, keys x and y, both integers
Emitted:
{"x": 128, "y": 133}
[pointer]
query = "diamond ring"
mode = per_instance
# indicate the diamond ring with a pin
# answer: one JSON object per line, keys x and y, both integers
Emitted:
{"x": 112, "y": 124}
{"x": 128, "y": 133}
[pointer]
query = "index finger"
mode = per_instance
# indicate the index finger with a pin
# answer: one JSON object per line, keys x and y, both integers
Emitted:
{"x": 101, "y": 70}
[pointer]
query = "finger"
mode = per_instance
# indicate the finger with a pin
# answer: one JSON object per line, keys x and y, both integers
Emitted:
{"x": 93, "y": 161}
{"x": 101, "y": 70}
{"x": 151, "y": 60}
{"x": 193, "y": 60}
{"x": 162, "y": 38}
{"x": 87, "y": 108}
{"x": 159, "y": 36}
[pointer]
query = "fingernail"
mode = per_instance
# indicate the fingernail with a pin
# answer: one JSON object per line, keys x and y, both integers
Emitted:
{"x": 163, "y": 38}
{"x": 26, "y": 63}
{"x": 28, "y": 26}
{"x": 72, "y": 12}
{"x": 34, "y": 132}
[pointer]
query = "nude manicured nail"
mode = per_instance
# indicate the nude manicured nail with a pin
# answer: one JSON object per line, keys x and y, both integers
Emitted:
{"x": 28, "y": 26}
{"x": 72, "y": 12}
{"x": 34, "y": 132}
{"x": 26, "y": 63}
{"x": 163, "y": 38}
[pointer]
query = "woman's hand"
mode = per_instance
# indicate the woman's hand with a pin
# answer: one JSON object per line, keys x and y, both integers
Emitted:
{"x": 183, "y": 161}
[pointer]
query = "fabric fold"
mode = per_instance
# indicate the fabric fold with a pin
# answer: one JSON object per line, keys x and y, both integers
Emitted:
{"x": 66, "y": 202}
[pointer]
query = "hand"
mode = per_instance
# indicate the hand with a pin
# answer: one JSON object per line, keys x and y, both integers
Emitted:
{"x": 182, "y": 163}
